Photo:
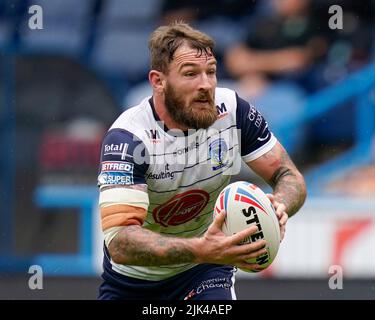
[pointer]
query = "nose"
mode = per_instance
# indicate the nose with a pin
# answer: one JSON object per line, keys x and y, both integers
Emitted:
{"x": 206, "y": 83}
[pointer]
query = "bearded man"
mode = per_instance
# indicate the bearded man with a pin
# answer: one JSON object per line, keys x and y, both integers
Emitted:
{"x": 163, "y": 164}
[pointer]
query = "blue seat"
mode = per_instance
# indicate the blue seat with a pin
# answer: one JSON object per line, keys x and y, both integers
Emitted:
{"x": 5, "y": 33}
{"x": 224, "y": 31}
{"x": 117, "y": 10}
{"x": 123, "y": 51}
{"x": 56, "y": 37}
{"x": 65, "y": 27}
{"x": 66, "y": 9}
{"x": 121, "y": 43}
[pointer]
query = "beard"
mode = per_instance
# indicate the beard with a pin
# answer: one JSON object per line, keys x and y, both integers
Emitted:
{"x": 188, "y": 115}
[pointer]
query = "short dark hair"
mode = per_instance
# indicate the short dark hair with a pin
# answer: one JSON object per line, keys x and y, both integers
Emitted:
{"x": 165, "y": 40}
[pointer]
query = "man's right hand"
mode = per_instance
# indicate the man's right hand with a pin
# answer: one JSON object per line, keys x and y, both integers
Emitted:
{"x": 216, "y": 247}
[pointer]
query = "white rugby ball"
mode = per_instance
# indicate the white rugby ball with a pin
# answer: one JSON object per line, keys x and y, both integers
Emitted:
{"x": 247, "y": 205}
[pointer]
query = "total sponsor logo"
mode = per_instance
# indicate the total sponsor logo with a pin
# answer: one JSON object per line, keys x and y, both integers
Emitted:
{"x": 181, "y": 208}
{"x": 116, "y": 149}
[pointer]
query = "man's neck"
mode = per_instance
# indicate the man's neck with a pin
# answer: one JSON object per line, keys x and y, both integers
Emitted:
{"x": 164, "y": 115}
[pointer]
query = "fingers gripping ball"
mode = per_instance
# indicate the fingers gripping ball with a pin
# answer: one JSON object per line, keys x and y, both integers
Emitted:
{"x": 247, "y": 205}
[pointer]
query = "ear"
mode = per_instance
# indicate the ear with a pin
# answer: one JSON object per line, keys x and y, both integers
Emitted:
{"x": 157, "y": 81}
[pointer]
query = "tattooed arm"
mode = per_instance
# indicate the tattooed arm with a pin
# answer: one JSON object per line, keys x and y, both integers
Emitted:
{"x": 281, "y": 174}
{"x": 135, "y": 245}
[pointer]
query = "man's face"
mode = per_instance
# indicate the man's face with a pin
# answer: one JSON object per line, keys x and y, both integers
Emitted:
{"x": 190, "y": 88}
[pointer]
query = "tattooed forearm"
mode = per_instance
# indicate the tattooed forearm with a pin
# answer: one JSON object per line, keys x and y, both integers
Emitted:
{"x": 279, "y": 171}
{"x": 288, "y": 184}
{"x": 135, "y": 245}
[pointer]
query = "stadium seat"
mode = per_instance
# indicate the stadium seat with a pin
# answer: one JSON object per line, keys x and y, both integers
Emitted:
{"x": 5, "y": 33}
{"x": 56, "y": 37}
{"x": 136, "y": 93}
{"x": 120, "y": 10}
{"x": 123, "y": 51}
{"x": 65, "y": 27}
{"x": 68, "y": 9}
{"x": 280, "y": 102}
{"x": 223, "y": 30}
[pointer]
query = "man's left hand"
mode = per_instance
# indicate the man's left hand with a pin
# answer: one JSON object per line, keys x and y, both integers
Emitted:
{"x": 280, "y": 213}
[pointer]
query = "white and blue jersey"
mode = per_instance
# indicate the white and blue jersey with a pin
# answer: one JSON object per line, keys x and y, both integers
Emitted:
{"x": 184, "y": 171}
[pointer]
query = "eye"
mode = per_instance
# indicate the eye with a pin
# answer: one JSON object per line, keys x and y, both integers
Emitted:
{"x": 189, "y": 74}
{"x": 212, "y": 71}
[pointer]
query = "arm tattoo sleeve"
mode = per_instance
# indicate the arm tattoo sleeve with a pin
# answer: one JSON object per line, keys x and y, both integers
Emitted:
{"x": 135, "y": 245}
{"x": 288, "y": 184}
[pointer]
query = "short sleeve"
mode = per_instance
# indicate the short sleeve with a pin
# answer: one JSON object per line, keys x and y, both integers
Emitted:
{"x": 123, "y": 159}
{"x": 256, "y": 138}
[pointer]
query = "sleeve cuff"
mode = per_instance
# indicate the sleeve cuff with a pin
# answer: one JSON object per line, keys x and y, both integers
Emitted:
{"x": 261, "y": 151}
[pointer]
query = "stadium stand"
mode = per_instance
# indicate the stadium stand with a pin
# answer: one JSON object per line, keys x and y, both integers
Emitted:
{"x": 92, "y": 56}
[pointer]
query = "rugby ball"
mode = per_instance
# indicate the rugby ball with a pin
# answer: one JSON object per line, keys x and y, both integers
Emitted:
{"x": 247, "y": 205}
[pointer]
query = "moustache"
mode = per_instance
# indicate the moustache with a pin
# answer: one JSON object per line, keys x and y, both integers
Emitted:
{"x": 205, "y": 96}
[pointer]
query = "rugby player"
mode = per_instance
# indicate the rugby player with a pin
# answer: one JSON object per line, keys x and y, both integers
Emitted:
{"x": 163, "y": 164}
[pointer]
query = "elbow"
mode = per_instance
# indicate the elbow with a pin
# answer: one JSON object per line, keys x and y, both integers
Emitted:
{"x": 118, "y": 260}
{"x": 118, "y": 247}
{"x": 114, "y": 252}
{"x": 115, "y": 257}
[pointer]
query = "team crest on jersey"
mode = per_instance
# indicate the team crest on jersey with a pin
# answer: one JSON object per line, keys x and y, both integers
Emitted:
{"x": 218, "y": 153}
{"x": 181, "y": 208}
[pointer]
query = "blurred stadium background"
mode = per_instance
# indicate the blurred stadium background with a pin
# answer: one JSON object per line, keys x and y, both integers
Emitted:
{"x": 63, "y": 85}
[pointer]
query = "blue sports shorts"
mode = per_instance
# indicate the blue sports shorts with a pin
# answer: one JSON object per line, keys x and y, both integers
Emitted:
{"x": 202, "y": 282}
